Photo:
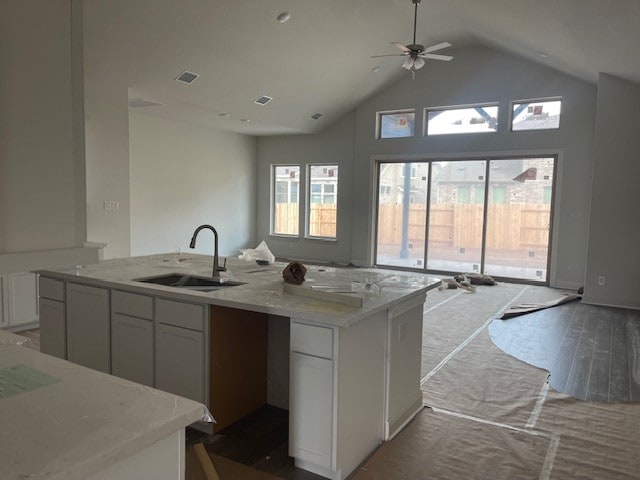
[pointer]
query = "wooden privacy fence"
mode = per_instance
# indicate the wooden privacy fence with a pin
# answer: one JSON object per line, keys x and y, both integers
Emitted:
{"x": 322, "y": 219}
{"x": 511, "y": 227}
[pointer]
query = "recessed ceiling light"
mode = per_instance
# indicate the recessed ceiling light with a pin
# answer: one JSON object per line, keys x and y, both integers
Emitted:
{"x": 244, "y": 120}
{"x": 376, "y": 69}
{"x": 187, "y": 77}
{"x": 283, "y": 17}
{"x": 224, "y": 114}
{"x": 263, "y": 99}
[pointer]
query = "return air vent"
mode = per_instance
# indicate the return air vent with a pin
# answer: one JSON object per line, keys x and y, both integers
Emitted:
{"x": 316, "y": 116}
{"x": 187, "y": 77}
{"x": 141, "y": 103}
{"x": 263, "y": 99}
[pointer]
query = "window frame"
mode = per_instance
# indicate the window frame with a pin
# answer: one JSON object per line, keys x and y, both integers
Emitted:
{"x": 322, "y": 193}
{"x": 512, "y": 104}
{"x": 273, "y": 196}
{"x": 379, "y": 115}
{"x": 446, "y": 108}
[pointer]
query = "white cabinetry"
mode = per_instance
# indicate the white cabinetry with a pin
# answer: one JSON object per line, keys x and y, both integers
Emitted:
{"x": 132, "y": 337}
{"x": 180, "y": 349}
{"x": 19, "y": 300}
{"x": 311, "y": 396}
{"x": 88, "y": 332}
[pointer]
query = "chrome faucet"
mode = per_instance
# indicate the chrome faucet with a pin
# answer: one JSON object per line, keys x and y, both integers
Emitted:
{"x": 216, "y": 268}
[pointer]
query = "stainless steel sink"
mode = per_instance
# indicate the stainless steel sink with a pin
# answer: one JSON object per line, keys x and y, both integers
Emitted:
{"x": 190, "y": 282}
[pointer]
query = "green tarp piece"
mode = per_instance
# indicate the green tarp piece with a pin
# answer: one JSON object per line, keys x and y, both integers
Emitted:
{"x": 20, "y": 378}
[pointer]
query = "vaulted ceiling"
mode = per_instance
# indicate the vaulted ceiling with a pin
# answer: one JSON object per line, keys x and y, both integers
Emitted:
{"x": 319, "y": 61}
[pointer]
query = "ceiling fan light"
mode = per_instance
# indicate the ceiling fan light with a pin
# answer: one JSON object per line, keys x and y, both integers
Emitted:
{"x": 408, "y": 63}
{"x": 418, "y": 63}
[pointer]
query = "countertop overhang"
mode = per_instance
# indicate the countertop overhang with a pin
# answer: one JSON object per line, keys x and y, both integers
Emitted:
{"x": 263, "y": 288}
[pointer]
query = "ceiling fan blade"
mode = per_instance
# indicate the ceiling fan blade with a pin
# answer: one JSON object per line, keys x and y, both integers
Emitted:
{"x": 438, "y": 46}
{"x": 446, "y": 58}
{"x": 390, "y": 55}
{"x": 408, "y": 63}
{"x": 401, "y": 46}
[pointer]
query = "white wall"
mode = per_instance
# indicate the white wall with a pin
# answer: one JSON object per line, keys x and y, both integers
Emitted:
{"x": 184, "y": 175}
{"x": 107, "y": 164}
{"x": 614, "y": 227}
{"x": 476, "y": 75}
{"x": 479, "y": 74}
{"x": 41, "y": 161}
{"x": 334, "y": 146}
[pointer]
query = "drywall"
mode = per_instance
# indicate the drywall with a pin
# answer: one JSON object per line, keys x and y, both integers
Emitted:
{"x": 476, "y": 75}
{"x": 184, "y": 175}
{"x": 332, "y": 146}
{"x": 107, "y": 164}
{"x": 614, "y": 228}
{"x": 41, "y": 184}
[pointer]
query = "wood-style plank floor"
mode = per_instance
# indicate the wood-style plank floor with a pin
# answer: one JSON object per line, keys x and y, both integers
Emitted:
{"x": 259, "y": 440}
{"x": 591, "y": 352}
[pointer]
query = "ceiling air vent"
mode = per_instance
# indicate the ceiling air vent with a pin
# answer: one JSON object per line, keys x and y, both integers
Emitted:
{"x": 316, "y": 116}
{"x": 187, "y": 77}
{"x": 141, "y": 103}
{"x": 263, "y": 99}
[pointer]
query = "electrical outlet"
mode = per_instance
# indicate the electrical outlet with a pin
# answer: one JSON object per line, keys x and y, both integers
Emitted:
{"x": 601, "y": 280}
{"x": 110, "y": 205}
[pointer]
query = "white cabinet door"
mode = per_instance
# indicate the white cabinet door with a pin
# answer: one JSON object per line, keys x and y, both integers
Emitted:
{"x": 180, "y": 362}
{"x": 311, "y": 409}
{"x": 132, "y": 348}
{"x": 53, "y": 328}
{"x": 20, "y": 298}
{"x": 88, "y": 332}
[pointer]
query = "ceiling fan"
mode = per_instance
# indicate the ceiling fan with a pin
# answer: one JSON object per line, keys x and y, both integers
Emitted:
{"x": 416, "y": 53}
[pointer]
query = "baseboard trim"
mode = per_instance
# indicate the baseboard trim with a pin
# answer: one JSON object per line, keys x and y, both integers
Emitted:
{"x": 402, "y": 418}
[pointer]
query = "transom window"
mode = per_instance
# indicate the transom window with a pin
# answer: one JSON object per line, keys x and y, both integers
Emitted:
{"x": 536, "y": 115}
{"x": 396, "y": 124}
{"x": 462, "y": 119}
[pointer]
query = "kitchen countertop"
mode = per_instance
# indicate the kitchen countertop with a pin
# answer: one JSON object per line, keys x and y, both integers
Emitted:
{"x": 79, "y": 421}
{"x": 263, "y": 291}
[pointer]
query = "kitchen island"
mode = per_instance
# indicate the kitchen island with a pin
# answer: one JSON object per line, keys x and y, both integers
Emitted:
{"x": 64, "y": 421}
{"x": 348, "y": 374}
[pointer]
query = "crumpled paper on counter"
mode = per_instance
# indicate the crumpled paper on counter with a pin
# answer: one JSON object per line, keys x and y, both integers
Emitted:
{"x": 260, "y": 253}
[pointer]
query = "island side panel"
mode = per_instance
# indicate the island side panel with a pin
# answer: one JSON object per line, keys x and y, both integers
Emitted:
{"x": 238, "y": 368}
{"x": 361, "y": 390}
{"x": 405, "y": 351}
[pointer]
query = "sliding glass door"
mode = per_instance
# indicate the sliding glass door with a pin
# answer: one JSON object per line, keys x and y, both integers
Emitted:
{"x": 488, "y": 216}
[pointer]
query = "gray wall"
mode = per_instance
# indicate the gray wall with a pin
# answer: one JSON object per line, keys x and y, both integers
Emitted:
{"x": 476, "y": 75}
{"x": 335, "y": 145}
{"x": 185, "y": 175}
{"x": 41, "y": 161}
{"x": 614, "y": 227}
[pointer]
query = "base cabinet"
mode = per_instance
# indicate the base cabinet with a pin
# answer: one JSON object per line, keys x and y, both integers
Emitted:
{"x": 88, "y": 332}
{"x": 53, "y": 328}
{"x": 311, "y": 409}
{"x": 180, "y": 362}
{"x": 19, "y": 301}
{"x": 132, "y": 348}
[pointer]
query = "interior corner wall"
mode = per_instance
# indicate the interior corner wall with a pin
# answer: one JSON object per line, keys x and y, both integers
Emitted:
{"x": 335, "y": 146}
{"x": 185, "y": 175}
{"x": 614, "y": 226}
{"x": 479, "y": 75}
{"x": 107, "y": 165}
{"x": 39, "y": 198}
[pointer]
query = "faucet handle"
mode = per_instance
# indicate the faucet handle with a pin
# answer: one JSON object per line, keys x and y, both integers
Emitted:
{"x": 223, "y": 268}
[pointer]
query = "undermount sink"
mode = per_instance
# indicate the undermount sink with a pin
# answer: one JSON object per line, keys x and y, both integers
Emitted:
{"x": 191, "y": 282}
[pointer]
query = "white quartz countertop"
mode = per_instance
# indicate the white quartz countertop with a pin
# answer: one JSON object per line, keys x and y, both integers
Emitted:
{"x": 84, "y": 422}
{"x": 263, "y": 289}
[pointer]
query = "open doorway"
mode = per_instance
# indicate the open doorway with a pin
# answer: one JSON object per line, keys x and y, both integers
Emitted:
{"x": 488, "y": 216}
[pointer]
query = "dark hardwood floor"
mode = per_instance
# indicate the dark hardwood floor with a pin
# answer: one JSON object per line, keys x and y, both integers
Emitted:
{"x": 259, "y": 440}
{"x": 591, "y": 352}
